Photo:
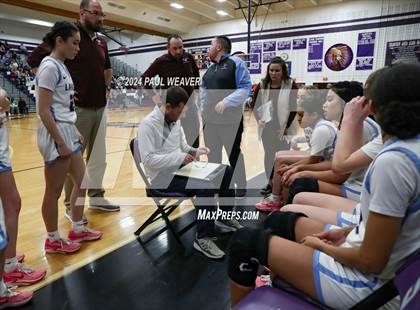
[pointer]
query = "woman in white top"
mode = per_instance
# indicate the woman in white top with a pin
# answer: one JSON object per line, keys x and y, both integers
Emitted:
{"x": 341, "y": 266}
{"x": 274, "y": 107}
{"x": 59, "y": 141}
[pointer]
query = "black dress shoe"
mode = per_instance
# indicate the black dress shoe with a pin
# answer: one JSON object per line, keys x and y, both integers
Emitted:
{"x": 240, "y": 193}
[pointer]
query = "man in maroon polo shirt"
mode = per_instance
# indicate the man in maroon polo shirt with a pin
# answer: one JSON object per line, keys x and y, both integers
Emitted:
{"x": 91, "y": 73}
{"x": 178, "y": 68}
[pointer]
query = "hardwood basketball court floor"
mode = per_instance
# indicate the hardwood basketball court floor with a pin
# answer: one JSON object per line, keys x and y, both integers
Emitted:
{"x": 123, "y": 186}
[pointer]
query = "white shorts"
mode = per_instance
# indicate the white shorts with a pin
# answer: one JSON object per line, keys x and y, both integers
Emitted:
{"x": 341, "y": 287}
{"x": 4, "y": 149}
{"x": 349, "y": 219}
{"x": 351, "y": 191}
{"x": 3, "y": 236}
{"x": 47, "y": 146}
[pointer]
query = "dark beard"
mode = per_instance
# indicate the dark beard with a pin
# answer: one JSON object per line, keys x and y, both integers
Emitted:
{"x": 92, "y": 27}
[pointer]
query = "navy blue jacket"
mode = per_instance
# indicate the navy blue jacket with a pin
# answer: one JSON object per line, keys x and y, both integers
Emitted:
{"x": 228, "y": 81}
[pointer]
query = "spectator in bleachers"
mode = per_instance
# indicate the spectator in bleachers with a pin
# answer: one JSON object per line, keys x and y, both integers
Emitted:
{"x": 23, "y": 49}
{"x": 14, "y": 111}
{"x": 15, "y": 69}
{"x": 7, "y": 58}
{"x": 23, "y": 108}
{"x": 2, "y": 49}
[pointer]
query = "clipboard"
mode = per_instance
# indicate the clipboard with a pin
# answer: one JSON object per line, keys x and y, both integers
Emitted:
{"x": 207, "y": 173}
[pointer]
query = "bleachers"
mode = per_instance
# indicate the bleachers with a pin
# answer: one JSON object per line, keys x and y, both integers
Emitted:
{"x": 15, "y": 92}
{"x": 18, "y": 87}
{"x": 15, "y": 75}
{"x": 120, "y": 68}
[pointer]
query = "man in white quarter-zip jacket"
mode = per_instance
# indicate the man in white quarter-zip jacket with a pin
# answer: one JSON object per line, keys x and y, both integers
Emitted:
{"x": 163, "y": 150}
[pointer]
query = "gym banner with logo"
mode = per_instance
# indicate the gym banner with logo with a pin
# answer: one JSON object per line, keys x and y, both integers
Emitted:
{"x": 255, "y": 60}
{"x": 407, "y": 50}
{"x": 299, "y": 44}
{"x": 365, "y": 50}
{"x": 269, "y": 46}
{"x": 315, "y": 53}
{"x": 283, "y": 45}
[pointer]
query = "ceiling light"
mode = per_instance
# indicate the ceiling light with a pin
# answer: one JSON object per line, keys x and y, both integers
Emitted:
{"x": 222, "y": 13}
{"x": 221, "y": 0}
{"x": 39, "y": 22}
{"x": 177, "y": 6}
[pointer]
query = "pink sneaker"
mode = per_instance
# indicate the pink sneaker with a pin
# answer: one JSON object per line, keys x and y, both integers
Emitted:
{"x": 20, "y": 257}
{"x": 263, "y": 280}
{"x": 23, "y": 275}
{"x": 85, "y": 235}
{"x": 61, "y": 246}
{"x": 14, "y": 298}
{"x": 267, "y": 205}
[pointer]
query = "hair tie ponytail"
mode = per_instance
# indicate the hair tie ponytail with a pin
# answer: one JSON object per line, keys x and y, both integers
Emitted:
{"x": 60, "y": 29}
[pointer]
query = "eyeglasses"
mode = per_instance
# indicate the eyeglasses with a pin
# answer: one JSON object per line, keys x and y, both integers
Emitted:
{"x": 95, "y": 13}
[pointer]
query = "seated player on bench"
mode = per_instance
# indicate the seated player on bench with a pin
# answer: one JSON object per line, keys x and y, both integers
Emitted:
{"x": 350, "y": 156}
{"x": 341, "y": 266}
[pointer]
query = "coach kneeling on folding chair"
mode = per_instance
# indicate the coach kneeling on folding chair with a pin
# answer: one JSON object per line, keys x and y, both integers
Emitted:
{"x": 163, "y": 151}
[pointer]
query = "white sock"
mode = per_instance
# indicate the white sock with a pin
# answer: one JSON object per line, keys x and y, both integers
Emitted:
{"x": 54, "y": 235}
{"x": 78, "y": 226}
{"x": 10, "y": 264}
{"x": 274, "y": 198}
{"x": 3, "y": 288}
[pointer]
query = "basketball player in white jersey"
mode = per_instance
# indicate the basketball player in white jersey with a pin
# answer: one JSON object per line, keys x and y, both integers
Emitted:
{"x": 59, "y": 141}
{"x": 14, "y": 272}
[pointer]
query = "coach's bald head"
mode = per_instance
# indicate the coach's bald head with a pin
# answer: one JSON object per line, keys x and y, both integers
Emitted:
{"x": 91, "y": 15}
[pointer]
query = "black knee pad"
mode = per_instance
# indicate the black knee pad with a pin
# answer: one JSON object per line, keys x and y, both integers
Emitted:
{"x": 282, "y": 224}
{"x": 301, "y": 185}
{"x": 248, "y": 250}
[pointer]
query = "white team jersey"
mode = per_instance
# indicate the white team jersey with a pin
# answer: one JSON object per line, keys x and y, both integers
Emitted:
{"x": 4, "y": 149}
{"x": 392, "y": 187}
{"x": 371, "y": 131}
{"x": 372, "y": 145}
{"x": 323, "y": 138}
{"x": 53, "y": 75}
